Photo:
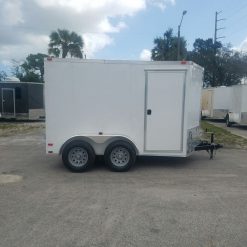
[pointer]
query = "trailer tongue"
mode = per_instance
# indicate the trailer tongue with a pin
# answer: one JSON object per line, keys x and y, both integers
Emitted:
{"x": 210, "y": 147}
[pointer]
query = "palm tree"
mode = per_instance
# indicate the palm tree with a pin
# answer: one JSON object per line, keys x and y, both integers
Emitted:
{"x": 165, "y": 48}
{"x": 65, "y": 42}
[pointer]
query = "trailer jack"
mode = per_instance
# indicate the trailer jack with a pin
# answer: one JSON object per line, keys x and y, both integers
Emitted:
{"x": 210, "y": 147}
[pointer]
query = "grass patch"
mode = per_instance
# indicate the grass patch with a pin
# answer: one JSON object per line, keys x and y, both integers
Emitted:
{"x": 223, "y": 136}
{"x": 8, "y": 129}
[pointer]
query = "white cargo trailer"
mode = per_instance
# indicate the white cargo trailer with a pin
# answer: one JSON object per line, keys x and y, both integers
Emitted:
{"x": 121, "y": 109}
{"x": 238, "y": 108}
{"x": 216, "y": 102}
{"x": 229, "y": 103}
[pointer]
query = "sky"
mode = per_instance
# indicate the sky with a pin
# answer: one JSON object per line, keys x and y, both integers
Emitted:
{"x": 115, "y": 29}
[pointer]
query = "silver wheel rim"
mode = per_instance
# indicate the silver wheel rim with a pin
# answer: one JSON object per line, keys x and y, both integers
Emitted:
{"x": 78, "y": 156}
{"x": 120, "y": 156}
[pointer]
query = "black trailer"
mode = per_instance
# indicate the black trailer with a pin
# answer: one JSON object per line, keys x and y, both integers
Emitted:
{"x": 22, "y": 100}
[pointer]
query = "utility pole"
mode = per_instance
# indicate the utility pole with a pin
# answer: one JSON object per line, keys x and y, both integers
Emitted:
{"x": 179, "y": 27}
{"x": 216, "y": 29}
{"x": 216, "y": 38}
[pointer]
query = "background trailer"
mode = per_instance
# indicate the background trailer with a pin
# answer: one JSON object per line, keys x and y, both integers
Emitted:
{"x": 216, "y": 102}
{"x": 121, "y": 109}
{"x": 22, "y": 100}
{"x": 238, "y": 107}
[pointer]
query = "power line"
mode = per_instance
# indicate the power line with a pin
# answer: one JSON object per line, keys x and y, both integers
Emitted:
{"x": 237, "y": 23}
{"x": 240, "y": 21}
{"x": 236, "y": 11}
{"x": 236, "y": 31}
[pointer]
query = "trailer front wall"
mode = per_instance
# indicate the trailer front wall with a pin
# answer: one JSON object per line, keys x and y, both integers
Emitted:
{"x": 193, "y": 107}
{"x": 193, "y": 96}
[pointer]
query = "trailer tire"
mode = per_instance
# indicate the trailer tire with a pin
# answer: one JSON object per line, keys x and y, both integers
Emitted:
{"x": 78, "y": 156}
{"x": 120, "y": 156}
{"x": 228, "y": 123}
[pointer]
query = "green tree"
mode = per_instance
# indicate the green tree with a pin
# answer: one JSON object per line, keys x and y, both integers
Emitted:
{"x": 226, "y": 68}
{"x": 204, "y": 55}
{"x": 231, "y": 67}
{"x": 3, "y": 75}
{"x": 32, "y": 69}
{"x": 64, "y": 42}
{"x": 165, "y": 48}
{"x": 34, "y": 64}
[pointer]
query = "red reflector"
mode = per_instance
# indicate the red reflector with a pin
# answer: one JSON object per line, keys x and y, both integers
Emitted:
{"x": 183, "y": 62}
{"x": 50, "y": 144}
{"x": 49, "y": 58}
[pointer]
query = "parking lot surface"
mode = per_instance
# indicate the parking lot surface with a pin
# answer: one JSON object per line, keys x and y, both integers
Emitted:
{"x": 161, "y": 202}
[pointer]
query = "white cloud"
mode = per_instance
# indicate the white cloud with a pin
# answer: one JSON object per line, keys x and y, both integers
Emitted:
{"x": 31, "y": 44}
{"x": 242, "y": 47}
{"x": 161, "y": 3}
{"x": 26, "y": 24}
{"x": 145, "y": 55}
{"x": 118, "y": 7}
{"x": 106, "y": 27}
{"x": 95, "y": 42}
{"x": 11, "y": 13}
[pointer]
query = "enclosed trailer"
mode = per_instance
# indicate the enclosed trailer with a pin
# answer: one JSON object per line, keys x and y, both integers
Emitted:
{"x": 121, "y": 109}
{"x": 216, "y": 102}
{"x": 22, "y": 100}
{"x": 238, "y": 108}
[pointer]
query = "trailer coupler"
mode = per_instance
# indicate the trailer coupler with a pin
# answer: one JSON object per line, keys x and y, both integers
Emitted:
{"x": 210, "y": 147}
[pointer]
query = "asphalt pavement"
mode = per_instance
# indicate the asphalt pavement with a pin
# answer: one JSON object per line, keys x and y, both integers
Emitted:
{"x": 161, "y": 202}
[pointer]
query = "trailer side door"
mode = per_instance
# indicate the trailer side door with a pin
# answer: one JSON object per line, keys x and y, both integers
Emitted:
{"x": 164, "y": 115}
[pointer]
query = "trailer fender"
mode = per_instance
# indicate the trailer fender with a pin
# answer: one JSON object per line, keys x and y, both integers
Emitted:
{"x": 122, "y": 138}
{"x": 99, "y": 142}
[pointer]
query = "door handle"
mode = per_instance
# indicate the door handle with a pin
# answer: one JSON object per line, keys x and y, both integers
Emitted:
{"x": 149, "y": 111}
